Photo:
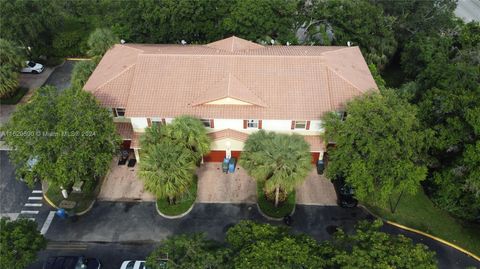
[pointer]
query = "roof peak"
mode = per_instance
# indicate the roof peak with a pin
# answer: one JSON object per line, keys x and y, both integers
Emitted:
{"x": 234, "y": 43}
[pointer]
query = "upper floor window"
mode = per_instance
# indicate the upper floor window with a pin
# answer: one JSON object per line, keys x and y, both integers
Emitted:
{"x": 207, "y": 123}
{"x": 156, "y": 123}
{"x": 252, "y": 124}
{"x": 118, "y": 112}
{"x": 300, "y": 124}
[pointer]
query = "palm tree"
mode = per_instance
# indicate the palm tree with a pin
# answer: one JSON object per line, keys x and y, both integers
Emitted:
{"x": 281, "y": 161}
{"x": 11, "y": 60}
{"x": 100, "y": 41}
{"x": 167, "y": 169}
{"x": 190, "y": 133}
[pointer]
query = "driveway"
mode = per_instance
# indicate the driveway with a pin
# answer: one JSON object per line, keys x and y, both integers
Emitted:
{"x": 316, "y": 190}
{"x": 122, "y": 184}
{"x": 214, "y": 186}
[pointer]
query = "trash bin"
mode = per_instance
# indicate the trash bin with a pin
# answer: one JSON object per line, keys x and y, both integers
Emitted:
{"x": 61, "y": 213}
{"x": 225, "y": 165}
{"x": 320, "y": 167}
{"x": 231, "y": 165}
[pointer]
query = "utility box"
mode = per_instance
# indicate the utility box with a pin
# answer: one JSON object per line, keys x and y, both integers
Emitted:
{"x": 231, "y": 165}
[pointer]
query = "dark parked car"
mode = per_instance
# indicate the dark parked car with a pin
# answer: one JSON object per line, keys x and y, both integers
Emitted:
{"x": 345, "y": 193}
{"x": 72, "y": 262}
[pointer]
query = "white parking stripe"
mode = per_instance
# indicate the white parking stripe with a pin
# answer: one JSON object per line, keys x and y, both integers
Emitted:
{"x": 12, "y": 216}
{"x": 35, "y": 198}
{"x": 29, "y": 212}
{"x": 37, "y": 191}
{"x": 34, "y": 205}
{"x": 47, "y": 222}
{"x": 33, "y": 219}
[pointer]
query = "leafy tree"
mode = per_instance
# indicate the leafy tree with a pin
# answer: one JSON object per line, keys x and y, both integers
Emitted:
{"x": 379, "y": 147}
{"x": 19, "y": 243}
{"x": 167, "y": 167}
{"x": 267, "y": 246}
{"x": 359, "y": 22}
{"x": 281, "y": 161}
{"x": 81, "y": 72}
{"x": 256, "y": 19}
{"x": 99, "y": 41}
{"x": 190, "y": 133}
{"x": 188, "y": 251}
{"x": 65, "y": 145}
{"x": 418, "y": 16}
{"x": 11, "y": 60}
{"x": 370, "y": 248}
{"x": 30, "y": 23}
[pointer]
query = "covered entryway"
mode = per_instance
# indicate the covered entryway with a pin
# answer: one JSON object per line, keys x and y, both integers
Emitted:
{"x": 225, "y": 142}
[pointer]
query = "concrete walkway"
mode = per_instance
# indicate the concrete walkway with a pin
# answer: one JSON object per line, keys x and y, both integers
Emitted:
{"x": 316, "y": 190}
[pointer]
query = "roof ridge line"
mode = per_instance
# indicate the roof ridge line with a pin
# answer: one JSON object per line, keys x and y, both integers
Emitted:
{"x": 236, "y": 55}
{"x": 340, "y": 49}
{"x": 113, "y": 78}
{"x": 344, "y": 79}
{"x": 126, "y": 46}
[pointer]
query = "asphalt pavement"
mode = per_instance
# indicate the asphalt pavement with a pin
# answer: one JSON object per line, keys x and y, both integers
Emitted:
{"x": 468, "y": 10}
{"x": 138, "y": 223}
{"x": 61, "y": 77}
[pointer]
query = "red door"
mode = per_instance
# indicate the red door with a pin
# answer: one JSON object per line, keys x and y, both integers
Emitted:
{"x": 126, "y": 144}
{"x": 215, "y": 156}
{"x": 315, "y": 156}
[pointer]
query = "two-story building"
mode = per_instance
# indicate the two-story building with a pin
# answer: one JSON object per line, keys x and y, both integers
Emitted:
{"x": 234, "y": 86}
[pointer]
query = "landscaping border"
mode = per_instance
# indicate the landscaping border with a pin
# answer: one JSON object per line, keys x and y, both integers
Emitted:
{"x": 177, "y": 216}
{"x": 406, "y": 228}
{"x": 272, "y": 218}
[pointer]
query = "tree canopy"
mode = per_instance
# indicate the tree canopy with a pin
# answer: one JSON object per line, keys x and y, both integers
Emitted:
{"x": 81, "y": 72}
{"x": 379, "y": 148}
{"x": 101, "y": 40}
{"x": 281, "y": 161}
{"x": 20, "y": 241}
{"x": 253, "y": 245}
{"x": 11, "y": 60}
{"x": 53, "y": 141}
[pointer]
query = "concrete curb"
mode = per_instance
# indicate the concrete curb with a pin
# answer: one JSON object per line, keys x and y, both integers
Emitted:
{"x": 403, "y": 227}
{"x": 177, "y": 216}
{"x": 272, "y": 218}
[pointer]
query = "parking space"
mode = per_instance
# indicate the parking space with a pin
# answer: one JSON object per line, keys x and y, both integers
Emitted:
{"x": 316, "y": 190}
{"x": 62, "y": 76}
{"x": 214, "y": 186}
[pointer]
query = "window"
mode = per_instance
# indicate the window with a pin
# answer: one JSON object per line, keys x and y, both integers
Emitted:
{"x": 206, "y": 123}
{"x": 300, "y": 124}
{"x": 156, "y": 123}
{"x": 118, "y": 112}
{"x": 252, "y": 124}
{"x": 342, "y": 114}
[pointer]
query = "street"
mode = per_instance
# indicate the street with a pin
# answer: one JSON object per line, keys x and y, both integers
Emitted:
{"x": 468, "y": 10}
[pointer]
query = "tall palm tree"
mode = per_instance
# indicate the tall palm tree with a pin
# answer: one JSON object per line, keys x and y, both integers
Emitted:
{"x": 190, "y": 133}
{"x": 167, "y": 170}
{"x": 281, "y": 161}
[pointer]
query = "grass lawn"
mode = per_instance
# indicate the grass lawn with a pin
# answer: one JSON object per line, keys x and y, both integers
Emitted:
{"x": 15, "y": 98}
{"x": 269, "y": 209}
{"x": 182, "y": 204}
{"x": 83, "y": 200}
{"x": 417, "y": 211}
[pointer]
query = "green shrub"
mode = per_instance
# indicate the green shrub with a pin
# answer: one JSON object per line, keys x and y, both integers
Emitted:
{"x": 182, "y": 205}
{"x": 268, "y": 207}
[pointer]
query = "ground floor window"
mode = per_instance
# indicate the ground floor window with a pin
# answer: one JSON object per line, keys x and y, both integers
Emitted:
{"x": 207, "y": 123}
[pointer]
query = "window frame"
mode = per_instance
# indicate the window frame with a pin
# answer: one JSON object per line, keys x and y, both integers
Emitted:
{"x": 300, "y": 128}
{"x": 255, "y": 124}
{"x": 207, "y": 123}
{"x": 116, "y": 114}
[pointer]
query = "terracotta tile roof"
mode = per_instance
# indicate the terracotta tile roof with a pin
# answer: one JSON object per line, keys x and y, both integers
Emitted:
{"x": 233, "y": 44}
{"x": 316, "y": 143}
{"x": 228, "y": 133}
{"x": 282, "y": 82}
{"x": 135, "y": 141}
{"x": 229, "y": 87}
{"x": 125, "y": 130}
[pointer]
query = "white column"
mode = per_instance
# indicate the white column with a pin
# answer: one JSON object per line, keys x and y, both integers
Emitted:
{"x": 137, "y": 156}
{"x": 228, "y": 149}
